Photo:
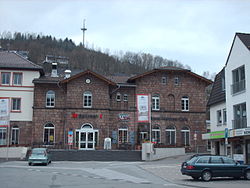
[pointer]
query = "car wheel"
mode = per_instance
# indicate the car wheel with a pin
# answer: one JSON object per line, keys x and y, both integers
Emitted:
{"x": 30, "y": 164}
{"x": 247, "y": 175}
{"x": 195, "y": 177}
{"x": 206, "y": 175}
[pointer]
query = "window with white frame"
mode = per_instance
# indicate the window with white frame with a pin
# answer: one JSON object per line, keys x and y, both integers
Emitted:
{"x": 170, "y": 135}
{"x": 123, "y": 135}
{"x": 219, "y": 117}
{"x": 87, "y": 99}
{"x": 185, "y": 103}
{"x": 238, "y": 80}
{"x": 156, "y": 102}
{"x": 17, "y": 79}
{"x": 50, "y": 99}
{"x": 49, "y": 134}
{"x": 5, "y": 78}
{"x": 185, "y": 136}
{"x": 15, "y": 104}
{"x": 15, "y": 135}
{"x": 118, "y": 97}
{"x": 143, "y": 136}
{"x": 125, "y": 97}
{"x": 156, "y": 134}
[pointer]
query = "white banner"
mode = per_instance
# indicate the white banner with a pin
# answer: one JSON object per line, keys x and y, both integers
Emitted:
{"x": 143, "y": 108}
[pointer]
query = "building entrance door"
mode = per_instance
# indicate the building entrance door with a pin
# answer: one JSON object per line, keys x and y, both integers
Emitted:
{"x": 87, "y": 137}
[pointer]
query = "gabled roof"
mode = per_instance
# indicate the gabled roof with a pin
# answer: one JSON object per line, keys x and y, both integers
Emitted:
{"x": 12, "y": 60}
{"x": 170, "y": 69}
{"x": 217, "y": 95}
{"x": 245, "y": 39}
{"x": 88, "y": 72}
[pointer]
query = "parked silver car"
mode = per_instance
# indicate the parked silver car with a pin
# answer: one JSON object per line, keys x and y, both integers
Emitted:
{"x": 39, "y": 156}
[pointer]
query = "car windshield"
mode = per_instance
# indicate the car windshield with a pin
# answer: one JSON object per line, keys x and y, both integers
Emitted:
{"x": 38, "y": 152}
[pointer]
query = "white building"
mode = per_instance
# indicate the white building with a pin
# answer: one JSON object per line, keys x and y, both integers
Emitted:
{"x": 230, "y": 103}
{"x": 16, "y": 76}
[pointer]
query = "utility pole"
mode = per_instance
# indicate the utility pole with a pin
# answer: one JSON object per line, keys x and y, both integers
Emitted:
{"x": 83, "y": 33}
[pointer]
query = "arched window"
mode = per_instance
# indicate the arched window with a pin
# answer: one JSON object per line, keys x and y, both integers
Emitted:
{"x": 50, "y": 99}
{"x": 185, "y": 136}
{"x": 170, "y": 135}
{"x": 87, "y": 99}
{"x": 118, "y": 96}
{"x": 15, "y": 135}
{"x": 185, "y": 103}
{"x": 156, "y": 102}
{"x": 86, "y": 126}
{"x": 49, "y": 134}
{"x": 156, "y": 134}
{"x": 171, "y": 102}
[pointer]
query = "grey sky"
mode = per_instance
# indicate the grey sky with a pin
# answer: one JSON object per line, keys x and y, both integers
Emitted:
{"x": 198, "y": 33}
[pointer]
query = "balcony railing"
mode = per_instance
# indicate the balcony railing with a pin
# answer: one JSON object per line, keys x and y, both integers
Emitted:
{"x": 238, "y": 86}
{"x": 240, "y": 123}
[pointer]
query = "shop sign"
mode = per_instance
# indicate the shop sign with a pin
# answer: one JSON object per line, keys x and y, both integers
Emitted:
{"x": 124, "y": 117}
{"x": 213, "y": 135}
{"x": 82, "y": 116}
{"x": 240, "y": 132}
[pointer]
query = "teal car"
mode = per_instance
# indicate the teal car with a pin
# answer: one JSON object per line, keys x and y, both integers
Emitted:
{"x": 39, "y": 156}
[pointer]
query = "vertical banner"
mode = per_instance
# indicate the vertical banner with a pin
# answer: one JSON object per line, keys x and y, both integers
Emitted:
{"x": 143, "y": 108}
{"x": 4, "y": 112}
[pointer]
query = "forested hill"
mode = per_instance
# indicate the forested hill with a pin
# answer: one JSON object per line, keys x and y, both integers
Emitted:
{"x": 79, "y": 57}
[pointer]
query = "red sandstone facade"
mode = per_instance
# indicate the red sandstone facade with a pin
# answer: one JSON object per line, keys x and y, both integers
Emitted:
{"x": 92, "y": 107}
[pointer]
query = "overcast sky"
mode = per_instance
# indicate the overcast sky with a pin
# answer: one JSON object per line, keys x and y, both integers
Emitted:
{"x": 198, "y": 33}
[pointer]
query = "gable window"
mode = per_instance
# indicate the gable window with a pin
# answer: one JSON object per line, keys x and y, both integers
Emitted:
{"x": 156, "y": 102}
{"x": 219, "y": 117}
{"x": 125, "y": 97}
{"x": 185, "y": 103}
{"x": 118, "y": 96}
{"x": 17, "y": 79}
{"x": 170, "y": 135}
{"x": 164, "y": 80}
{"x": 176, "y": 80}
{"x": 87, "y": 99}
{"x": 123, "y": 135}
{"x": 185, "y": 136}
{"x": 49, "y": 134}
{"x": 5, "y": 78}
{"x": 50, "y": 99}
{"x": 156, "y": 134}
{"x": 16, "y": 104}
{"x": 238, "y": 80}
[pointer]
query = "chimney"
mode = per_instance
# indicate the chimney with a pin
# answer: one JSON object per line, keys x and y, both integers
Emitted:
{"x": 54, "y": 70}
{"x": 67, "y": 74}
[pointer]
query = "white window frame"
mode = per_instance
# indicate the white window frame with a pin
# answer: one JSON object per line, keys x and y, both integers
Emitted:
{"x": 19, "y": 79}
{"x": 49, "y": 127}
{"x": 164, "y": 80}
{"x": 3, "y": 135}
{"x": 15, "y": 104}
{"x": 224, "y": 114}
{"x": 9, "y": 78}
{"x": 125, "y": 97}
{"x": 50, "y": 99}
{"x": 118, "y": 97}
{"x": 172, "y": 132}
{"x": 219, "y": 117}
{"x": 185, "y": 103}
{"x": 156, "y": 102}
{"x": 123, "y": 137}
{"x": 184, "y": 131}
{"x": 87, "y": 99}
{"x": 156, "y": 134}
{"x": 176, "y": 80}
{"x": 16, "y": 131}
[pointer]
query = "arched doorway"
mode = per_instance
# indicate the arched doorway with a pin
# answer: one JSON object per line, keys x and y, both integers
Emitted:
{"x": 86, "y": 137}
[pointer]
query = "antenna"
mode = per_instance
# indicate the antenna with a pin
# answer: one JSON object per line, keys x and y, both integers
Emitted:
{"x": 83, "y": 32}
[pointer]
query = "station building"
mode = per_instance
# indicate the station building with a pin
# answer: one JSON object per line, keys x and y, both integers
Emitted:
{"x": 87, "y": 107}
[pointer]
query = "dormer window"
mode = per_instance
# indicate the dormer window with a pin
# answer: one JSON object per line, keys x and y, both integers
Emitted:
{"x": 164, "y": 80}
{"x": 118, "y": 97}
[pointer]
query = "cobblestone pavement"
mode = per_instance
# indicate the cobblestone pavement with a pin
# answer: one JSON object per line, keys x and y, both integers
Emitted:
{"x": 169, "y": 169}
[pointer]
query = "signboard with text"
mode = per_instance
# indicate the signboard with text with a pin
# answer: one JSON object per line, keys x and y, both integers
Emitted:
{"x": 143, "y": 108}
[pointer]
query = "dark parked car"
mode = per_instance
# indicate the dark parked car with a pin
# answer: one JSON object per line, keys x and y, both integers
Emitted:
{"x": 39, "y": 156}
{"x": 208, "y": 166}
